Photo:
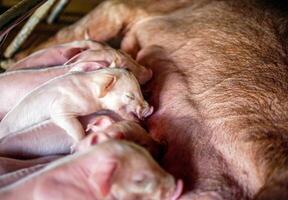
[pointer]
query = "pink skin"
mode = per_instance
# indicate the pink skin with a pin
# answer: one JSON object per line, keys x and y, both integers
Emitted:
{"x": 8, "y": 165}
{"x": 48, "y": 139}
{"x": 12, "y": 170}
{"x": 219, "y": 87}
{"x": 34, "y": 142}
{"x": 12, "y": 177}
{"x": 103, "y": 128}
{"x": 101, "y": 172}
{"x": 12, "y": 90}
{"x": 42, "y": 140}
{"x": 65, "y": 98}
{"x": 56, "y": 55}
{"x": 120, "y": 58}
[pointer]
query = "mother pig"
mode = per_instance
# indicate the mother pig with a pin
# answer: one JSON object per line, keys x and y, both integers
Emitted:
{"x": 220, "y": 86}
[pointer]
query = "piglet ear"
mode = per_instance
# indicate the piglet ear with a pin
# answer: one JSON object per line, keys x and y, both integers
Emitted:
{"x": 103, "y": 177}
{"x": 100, "y": 123}
{"x": 106, "y": 84}
{"x": 88, "y": 66}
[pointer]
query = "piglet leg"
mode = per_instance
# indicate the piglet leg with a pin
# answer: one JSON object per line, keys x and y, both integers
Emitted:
{"x": 71, "y": 125}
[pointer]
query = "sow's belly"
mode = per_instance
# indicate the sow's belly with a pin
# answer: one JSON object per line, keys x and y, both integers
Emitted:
{"x": 176, "y": 121}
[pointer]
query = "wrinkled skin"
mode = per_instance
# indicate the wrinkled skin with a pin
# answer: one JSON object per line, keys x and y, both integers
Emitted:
{"x": 219, "y": 87}
{"x": 66, "y": 97}
{"x": 104, "y": 173}
{"x": 14, "y": 85}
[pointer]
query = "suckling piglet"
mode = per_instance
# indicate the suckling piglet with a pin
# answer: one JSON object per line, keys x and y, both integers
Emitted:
{"x": 104, "y": 127}
{"x": 65, "y": 98}
{"x": 108, "y": 171}
{"x": 56, "y": 55}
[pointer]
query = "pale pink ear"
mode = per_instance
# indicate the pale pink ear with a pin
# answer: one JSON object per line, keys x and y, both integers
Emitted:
{"x": 100, "y": 123}
{"x": 88, "y": 66}
{"x": 107, "y": 82}
{"x": 103, "y": 176}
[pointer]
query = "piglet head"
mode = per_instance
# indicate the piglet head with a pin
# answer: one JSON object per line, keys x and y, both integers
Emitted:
{"x": 126, "y": 97}
{"x": 139, "y": 177}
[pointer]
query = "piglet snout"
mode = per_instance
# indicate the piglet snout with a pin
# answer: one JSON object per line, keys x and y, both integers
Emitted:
{"x": 178, "y": 190}
{"x": 144, "y": 111}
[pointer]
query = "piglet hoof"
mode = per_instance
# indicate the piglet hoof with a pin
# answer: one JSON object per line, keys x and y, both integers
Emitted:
{"x": 73, "y": 148}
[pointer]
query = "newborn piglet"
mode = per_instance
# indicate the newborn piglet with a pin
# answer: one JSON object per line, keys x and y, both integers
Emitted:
{"x": 104, "y": 58}
{"x": 104, "y": 127}
{"x": 114, "y": 169}
{"x": 55, "y": 55}
{"x": 65, "y": 98}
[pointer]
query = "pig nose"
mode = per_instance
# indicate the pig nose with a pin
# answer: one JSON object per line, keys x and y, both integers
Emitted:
{"x": 144, "y": 111}
{"x": 178, "y": 191}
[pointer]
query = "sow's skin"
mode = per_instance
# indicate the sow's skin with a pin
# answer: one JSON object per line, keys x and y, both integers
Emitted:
{"x": 219, "y": 87}
{"x": 14, "y": 85}
{"x": 65, "y": 98}
{"x": 112, "y": 170}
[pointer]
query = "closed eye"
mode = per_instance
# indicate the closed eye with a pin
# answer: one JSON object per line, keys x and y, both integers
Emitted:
{"x": 130, "y": 96}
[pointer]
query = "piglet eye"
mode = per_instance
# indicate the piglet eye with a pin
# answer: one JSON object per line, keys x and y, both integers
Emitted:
{"x": 130, "y": 96}
{"x": 140, "y": 179}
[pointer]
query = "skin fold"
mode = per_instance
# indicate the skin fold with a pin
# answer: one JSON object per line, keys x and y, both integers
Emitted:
{"x": 219, "y": 88}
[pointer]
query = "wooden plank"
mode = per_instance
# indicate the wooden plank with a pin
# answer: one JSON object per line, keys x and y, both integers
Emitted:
{"x": 75, "y": 6}
{"x": 10, "y": 18}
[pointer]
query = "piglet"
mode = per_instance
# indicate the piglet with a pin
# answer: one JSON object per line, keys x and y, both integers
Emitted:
{"x": 56, "y": 55}
{"x": 105, "y": 58}
{"x": 111, "y": 170}
{"x": 65, "y": 98}
{"x": 104, "y": 127}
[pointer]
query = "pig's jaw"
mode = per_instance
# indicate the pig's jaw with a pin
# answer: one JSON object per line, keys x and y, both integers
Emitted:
{"x": 126, "y": 114}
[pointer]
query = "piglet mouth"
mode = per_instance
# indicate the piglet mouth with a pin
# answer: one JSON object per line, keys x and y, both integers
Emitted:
{"x": 130, "y": 116}
{"x": 143, "y": 113}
